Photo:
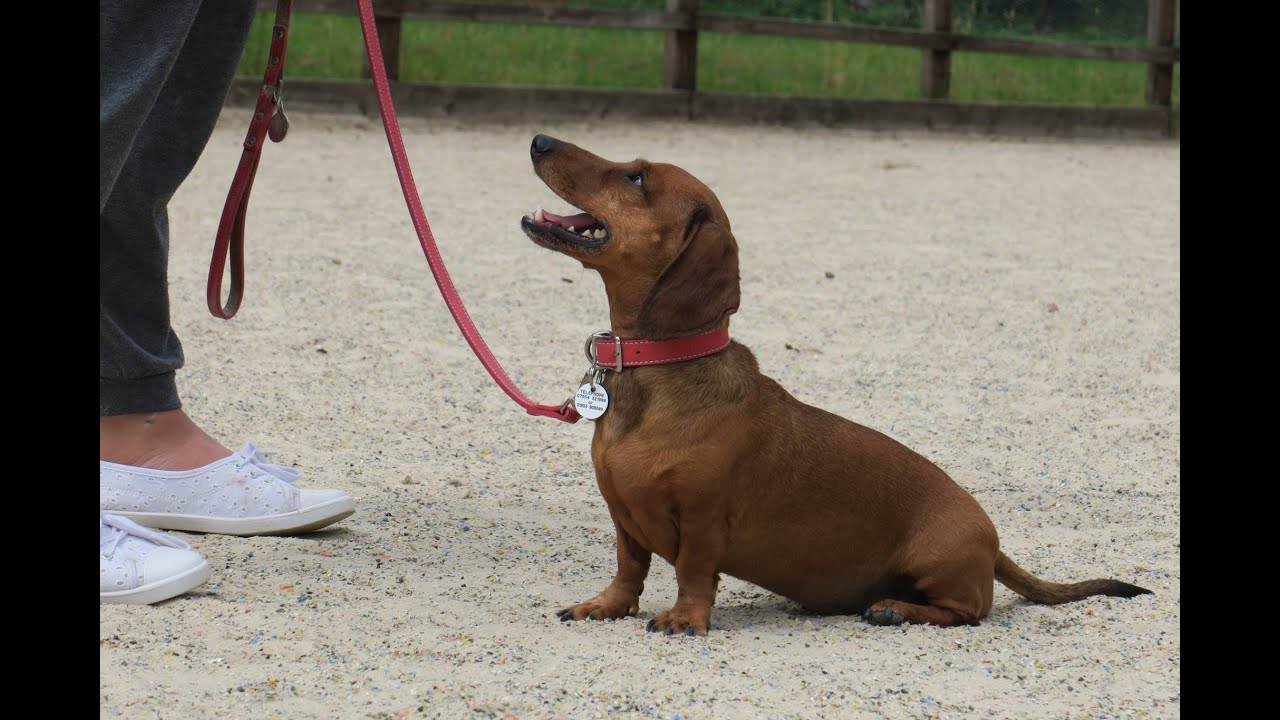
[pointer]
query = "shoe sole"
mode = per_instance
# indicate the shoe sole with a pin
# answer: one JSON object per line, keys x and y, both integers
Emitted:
{"x": 161, "y": 590}
{"x": 290, "y": 523}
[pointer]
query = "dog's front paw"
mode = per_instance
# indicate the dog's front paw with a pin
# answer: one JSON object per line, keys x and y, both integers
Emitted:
{"x": 681, "y": 620}
{"x": 599, "y": 608}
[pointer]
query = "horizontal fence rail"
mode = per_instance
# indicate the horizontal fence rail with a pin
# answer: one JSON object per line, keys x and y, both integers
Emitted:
{"x": 736, "y": 25}
{"x": 682, "y": 21}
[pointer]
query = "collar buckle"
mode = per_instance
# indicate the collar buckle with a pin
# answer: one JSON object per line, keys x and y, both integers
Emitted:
{"x": 594, "y": 356}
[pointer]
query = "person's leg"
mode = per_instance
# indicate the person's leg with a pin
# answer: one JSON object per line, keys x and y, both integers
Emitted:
{"x": 167, "y": 440}
{"x": 138, "y": 43}
{"x": 166, "y": 66}
{"x": 157, "y": 467}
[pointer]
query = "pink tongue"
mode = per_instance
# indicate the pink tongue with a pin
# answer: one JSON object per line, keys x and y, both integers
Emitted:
{"x": 579, "y": 221}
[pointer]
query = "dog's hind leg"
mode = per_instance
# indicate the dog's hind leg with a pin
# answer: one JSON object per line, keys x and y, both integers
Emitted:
{"x": 959, "y": 593}
{"x": 622, "y": 597}
{"x": 896, "y": 612}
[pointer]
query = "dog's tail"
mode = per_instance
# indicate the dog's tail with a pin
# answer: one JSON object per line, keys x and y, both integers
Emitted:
{"x": 1049, "y": 593}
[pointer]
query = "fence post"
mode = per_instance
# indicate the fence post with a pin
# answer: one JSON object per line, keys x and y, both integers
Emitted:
{"x": 388, "y": 27}
{"x": 935, "y": 76}
{"x": 1161, "y": 16}
{"x": 680, "y": 61}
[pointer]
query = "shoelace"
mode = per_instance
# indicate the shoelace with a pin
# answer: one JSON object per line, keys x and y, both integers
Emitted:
{"x": 251, "y": 457}
{"x": 119, "y": 528}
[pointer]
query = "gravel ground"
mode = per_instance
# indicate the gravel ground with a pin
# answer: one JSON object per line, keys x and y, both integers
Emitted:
{"x": 1008, "y": 308}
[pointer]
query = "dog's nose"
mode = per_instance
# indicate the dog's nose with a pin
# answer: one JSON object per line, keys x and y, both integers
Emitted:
{"x": 542, "y": 144}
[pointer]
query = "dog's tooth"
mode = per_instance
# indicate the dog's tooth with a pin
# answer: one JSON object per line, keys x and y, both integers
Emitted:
{"x": 599, "y": 233}
{"x": 571, "y": 229}
{"x": 537, "y": 216}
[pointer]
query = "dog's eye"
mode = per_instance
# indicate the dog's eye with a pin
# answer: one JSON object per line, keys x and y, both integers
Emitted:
{"x": 636, "y": 179}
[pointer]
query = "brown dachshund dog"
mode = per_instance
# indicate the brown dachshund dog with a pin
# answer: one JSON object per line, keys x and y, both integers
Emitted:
{"x": 717, "y": 469}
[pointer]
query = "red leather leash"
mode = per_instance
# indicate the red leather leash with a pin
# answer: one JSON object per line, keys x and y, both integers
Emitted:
{"x": 267, "y": 114}
{"x": 373, "y": 49}
{"x": 231, "y": 229}
{"x": 605, "y": 350}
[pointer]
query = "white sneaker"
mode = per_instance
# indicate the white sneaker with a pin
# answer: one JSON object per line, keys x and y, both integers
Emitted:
{"x": 239, "y": 495}
{"x": 142, "y": 566}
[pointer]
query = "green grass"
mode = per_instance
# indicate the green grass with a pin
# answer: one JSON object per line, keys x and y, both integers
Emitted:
{"x": 331, "y": 47}
{"x": 1010, "y": 78}
{"x": 785, "y": 66}
{"x": 520, "y": 55}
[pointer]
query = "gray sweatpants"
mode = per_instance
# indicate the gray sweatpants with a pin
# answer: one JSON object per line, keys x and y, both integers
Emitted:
{"x": 166, "y": 67}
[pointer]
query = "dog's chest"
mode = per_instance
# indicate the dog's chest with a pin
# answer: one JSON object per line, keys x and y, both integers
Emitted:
{"x": 626, "y": 468}
{"x": 637, "y": 492}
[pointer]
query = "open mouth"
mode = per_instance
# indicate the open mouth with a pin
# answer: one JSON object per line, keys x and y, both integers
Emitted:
{"x": 582, "y": 231}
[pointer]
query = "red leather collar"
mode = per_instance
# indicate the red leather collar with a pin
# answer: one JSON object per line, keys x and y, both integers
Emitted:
{"x": 655, "y": 352}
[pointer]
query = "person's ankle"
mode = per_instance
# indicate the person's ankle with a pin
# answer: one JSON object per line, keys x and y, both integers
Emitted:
{"x": 166, "y": 440}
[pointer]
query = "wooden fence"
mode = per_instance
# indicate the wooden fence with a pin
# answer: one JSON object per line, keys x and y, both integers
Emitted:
{"x": 682, "y": 22}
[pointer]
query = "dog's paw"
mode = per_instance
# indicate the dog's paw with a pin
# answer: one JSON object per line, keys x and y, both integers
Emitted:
{"x": 597, "y": 609}
{"x": 883, "y": 613}
{"x": 681, "y": 621}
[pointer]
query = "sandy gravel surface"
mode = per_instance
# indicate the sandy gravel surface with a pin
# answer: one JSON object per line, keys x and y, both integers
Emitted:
{"x": 1009, "y": 308}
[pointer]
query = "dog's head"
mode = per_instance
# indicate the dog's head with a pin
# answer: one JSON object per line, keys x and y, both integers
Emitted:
{"x": 658, "y": 237}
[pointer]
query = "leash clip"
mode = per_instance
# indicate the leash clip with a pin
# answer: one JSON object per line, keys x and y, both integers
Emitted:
{"x": 564, "y": 406}
{"x": 594, "y": 356}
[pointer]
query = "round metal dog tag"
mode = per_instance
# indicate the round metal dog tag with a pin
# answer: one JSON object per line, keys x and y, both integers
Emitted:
{"x": 591, "y": 402}
{"x": 278, "y": 127}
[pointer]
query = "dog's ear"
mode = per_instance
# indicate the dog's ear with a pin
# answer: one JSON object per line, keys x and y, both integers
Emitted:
{"x": 698, "y": 288}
